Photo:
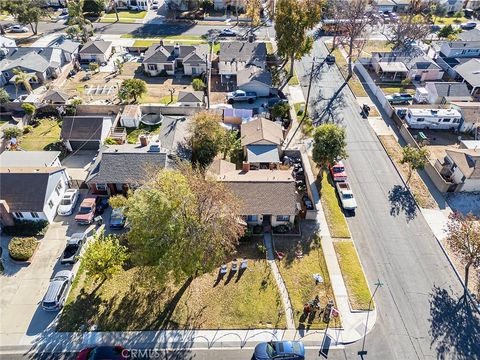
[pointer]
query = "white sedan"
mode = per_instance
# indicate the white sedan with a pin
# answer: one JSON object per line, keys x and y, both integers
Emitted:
{"x": 68, "y": 202}
{"x": 18, "y": 29}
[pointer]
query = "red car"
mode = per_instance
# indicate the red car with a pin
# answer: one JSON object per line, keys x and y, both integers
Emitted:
{"x": 103, "y": 353}
{"x": 86, "y": 212}
{"x": 338, "y": 171}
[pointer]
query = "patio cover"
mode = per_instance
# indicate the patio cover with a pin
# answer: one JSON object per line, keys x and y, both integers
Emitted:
{"x": 263, "y": 154}
{"x": 393, "y": 67}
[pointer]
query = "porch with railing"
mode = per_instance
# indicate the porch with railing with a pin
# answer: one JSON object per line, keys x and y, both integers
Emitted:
{"x": 119, "y": 134}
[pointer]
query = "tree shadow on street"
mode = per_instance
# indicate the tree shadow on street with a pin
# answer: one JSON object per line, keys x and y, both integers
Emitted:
{"x": 454, "y": 326}
{"x": 402, "y": 201}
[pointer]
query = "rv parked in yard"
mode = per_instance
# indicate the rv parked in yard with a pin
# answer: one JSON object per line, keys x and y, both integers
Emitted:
{"x": 346, "y": 196}
{"x": 442, "y": 119}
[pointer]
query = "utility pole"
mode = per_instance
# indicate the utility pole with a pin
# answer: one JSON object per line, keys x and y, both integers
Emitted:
{"x": 306, "y": 103}
{"x": 378, "y": 284}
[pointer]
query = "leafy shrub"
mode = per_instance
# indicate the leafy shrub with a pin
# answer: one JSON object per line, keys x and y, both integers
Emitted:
{"x": 110, "y": 141}
{"x": 29, "y": 108}
{"x": 27, "y": 129}
{"x": 198, "y": 84}
{"x": 247, "y": 236}
{"x": 12, "y": 132}
{"x": 261, "y": 248}
{"x": 26, "y": 228}
{"x": 22, "y": 248}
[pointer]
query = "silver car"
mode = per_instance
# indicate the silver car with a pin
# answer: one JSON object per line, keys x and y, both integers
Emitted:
{"x": 57, "y": 291}
{"x": 18, "y": 29}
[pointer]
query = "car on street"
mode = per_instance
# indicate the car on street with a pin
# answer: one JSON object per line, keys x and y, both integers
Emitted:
{"x": 337, "y": 171}
{"x": 103, "y": 353}
{"x": 57, "y": 291}
{"x": 74, "y": 246}
{"x": 18, "y": 29}
{"x": 345, "y": 194}
{"x": 468, "y": 26}
{"x": 285, "y": 350}
{"x": 117, "y": 219}
{"x": 87, "y": 211}
{"x": 228, "y": 32}
{"x": 68, "y": 202}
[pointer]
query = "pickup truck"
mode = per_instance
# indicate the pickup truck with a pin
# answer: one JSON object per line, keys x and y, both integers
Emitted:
{"x": 240, "y": 95}
{"x": 346, "y": 196}
{"x": 337, "y": 170}
{"x": 399, "y": 98}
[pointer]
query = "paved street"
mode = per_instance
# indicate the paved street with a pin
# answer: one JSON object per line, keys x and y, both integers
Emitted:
{"x": 416, "y": 305}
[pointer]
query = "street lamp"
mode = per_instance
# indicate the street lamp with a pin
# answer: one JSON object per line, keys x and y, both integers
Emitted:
{"x": 377, "y": 285}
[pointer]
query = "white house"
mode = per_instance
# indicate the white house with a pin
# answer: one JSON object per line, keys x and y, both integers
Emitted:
{"x": 462, "y": 166}
{"x": 441, "y": 119}
{"x": 133, "y": 4}
{"x": 452, "y": 6}
{"x": 384, "y": 5}
{"x": 33, "y": 184}
{"x": 460, "y": 49}
{"x": 96, "y": 51}
{"x": 443, "y": 92}
{"x": 261, "y": 141}
{"x": 235, "y": 56}
{"x": 7, "y": 42}
{"x": 469, "y": 72}
{"x": 470, "y": 115}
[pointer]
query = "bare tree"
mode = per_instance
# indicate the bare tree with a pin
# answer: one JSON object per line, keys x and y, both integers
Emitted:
{"x": 413, "y": 26}
{"x": 463, "y": 237}
{"x": 353, "y": 22}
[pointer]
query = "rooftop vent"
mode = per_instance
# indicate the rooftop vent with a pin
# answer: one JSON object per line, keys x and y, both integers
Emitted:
{"x": 154, "y": 148}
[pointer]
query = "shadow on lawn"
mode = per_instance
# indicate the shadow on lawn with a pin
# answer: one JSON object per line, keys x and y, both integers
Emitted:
{"x": 454, "y": 326}
{"x": 402, "y": 201}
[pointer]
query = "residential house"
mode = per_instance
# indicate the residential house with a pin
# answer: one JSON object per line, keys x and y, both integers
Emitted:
{"x": 469, "y": 72}
{"x": 33, "y": 184}
{"x": 96, "y": 51}
{"x": 395, "y": 66}
{"x": 255, "y": 79}
{"x": 70, "y": 48}
{"x": 133, "y": 4}
{"x": 261, "y": 142}
{"x": 462, "y": 167}
{"x": 57, "y": 3}
{"x": 266, "y": 196}
{"x": 229, "y": 4}
{"x": 119, "y": 168}
{"x": 7, "y": 42}
{"x": 191, "y": 59}
{"x": 401, "y": 6}
{"x": 469, "y": 35}
{"x": 45, "y": 63}
{"x": 452, "y": 6}
{"x": 384, "y": 5}
{"x": 235, "y": 56}
{"x": 56, "y": 97}
{"x": 389, "y": 66}
{"x": 86, "y": 132}
{"x": 459, "y": 49}
{"x": 470, "y": 115}
{"x": 191, "y": 98}
{"x": 422, "y": 68}
{"x": 446, "y": 92}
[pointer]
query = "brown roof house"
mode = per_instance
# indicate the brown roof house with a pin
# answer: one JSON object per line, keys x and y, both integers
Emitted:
{"x": 462, "y": 167}
{"x": 33, "y": 188}
{"x": 266, "y": 196}
{"x": 261, "y": 141}
{"x": 86, "y": 132}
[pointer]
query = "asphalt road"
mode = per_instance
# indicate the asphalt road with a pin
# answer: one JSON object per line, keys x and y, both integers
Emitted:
{"x": 420, "y": 315}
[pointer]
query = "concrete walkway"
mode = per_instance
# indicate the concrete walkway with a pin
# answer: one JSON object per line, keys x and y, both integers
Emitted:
{"x": 267, "y": 239}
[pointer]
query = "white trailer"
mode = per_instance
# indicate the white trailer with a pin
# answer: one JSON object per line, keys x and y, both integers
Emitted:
{"x": 441, "y": 119}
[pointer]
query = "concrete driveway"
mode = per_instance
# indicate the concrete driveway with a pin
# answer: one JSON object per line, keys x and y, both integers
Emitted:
{"x": 78, "y": 163}
{"x": 23, "y": 286}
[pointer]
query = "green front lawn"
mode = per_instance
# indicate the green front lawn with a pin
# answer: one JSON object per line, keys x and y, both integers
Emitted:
{"x": 147, "y": 43}
{"x": 47, "y": 132}
{"x": 392, "y": 89}
{"x": 450, "y": 20}
{"x": 126, "y": 14}
{"x": 298, "y": 277}
{"x": 167, "y": 100}
{"x": 134, "y": 133}
{"x": 127, "y": 303}
{"x": 352, "y": 273}
{"x": 165, "y": 37}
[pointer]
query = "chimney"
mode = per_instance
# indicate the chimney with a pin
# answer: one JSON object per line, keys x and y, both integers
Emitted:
{"x": 161, "y": 42}
{"x": 246, "y": 167}
{"x": 143, "y": 140}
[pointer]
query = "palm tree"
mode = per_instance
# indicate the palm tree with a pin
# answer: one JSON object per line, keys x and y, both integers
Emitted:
{"x": 23, "y": 78}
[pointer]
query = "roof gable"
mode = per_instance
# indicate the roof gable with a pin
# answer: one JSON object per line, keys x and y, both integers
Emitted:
{"x": 82, "y": 127}
{"x": 95, "y": 47}
{"x": 261, "y": 129}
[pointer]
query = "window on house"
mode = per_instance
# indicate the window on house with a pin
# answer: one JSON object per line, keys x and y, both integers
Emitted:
{"x": 168, "y": 67}
{"x": 194, "y": 70}
{"x": 152, "y": 67}
{"x": 50, "y": 204}
{"x": 456, "y": 121}
{"x": 18, "y": 215}
{"x": 34, "y": 215}
{"x": 252, "y": 218}
{"x": 283, "y": 218}
{"x": 420, "y": 119}
{"x": 101, "y": 187}
{"x": 58, "y": 187}
{"x": 446, "y": 120}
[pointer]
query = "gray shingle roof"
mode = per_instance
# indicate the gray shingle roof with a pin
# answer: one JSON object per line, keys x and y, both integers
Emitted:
{"x": 253, "y": 73}
{"x": 166, "y": 53}
{"x": 28, "y": 158}
{"x": 243, "y": 51}
{"x": 95, "y": 47}
{"x": 82, "y": 127}
{"x": 470, "y": 71}
{"x": 56, "y": 96}
{"x": 190, "y": 96}
{"x": 68, "y": 46}
{"x": 451, "y": 89}
{"x": 25, "y": 190}
{"x": 421, "y": 63}
{"x": 469, "y": 35}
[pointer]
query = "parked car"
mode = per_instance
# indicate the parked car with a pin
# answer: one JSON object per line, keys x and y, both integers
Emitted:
{"x": 65, "y": 11}
{"x": 117, "y": 219}
{"x": 87, "y": 211}
{"x": 330, "y": 59}
{"x": 228, "y": 32}
{"x": 18, "y": 29}
{"x": 399, "y": 98}
{"x": 68, "y": 202}
{"x": 102, "y": 204}
{"x": 468, "y": 26}
{"x": 240, "y": 95}
{"x": 71, "y": 73}
{"x": 103, "y": 353}
{"x": 435, "y": 28}
{"x": 345, "y": 194}
{"x": 74, "y": 246}
{"x": 308, "y": 202}
{"x": 337, "y": 171}
{"x": 285, "y": 350}
{"x": 154, "y": 5}
{"x": 57, "y": 291}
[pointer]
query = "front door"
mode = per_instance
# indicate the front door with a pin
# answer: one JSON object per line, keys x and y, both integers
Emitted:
{"x": 267, "y": 219}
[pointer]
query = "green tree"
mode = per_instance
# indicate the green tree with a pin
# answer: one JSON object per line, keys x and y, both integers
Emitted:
{"x": 280, "y": 110}
{"x": 94, "y": 67}
{"x": 132, "y": 89}
{"x": 119, "y": 64}
{"x": 463, "y": 237}
{"x": 4, "y": 97}
{"x": 11, "y": 132}
{"x": 415, "y": 158}
{"x": 182, "y": 224}
{"x": 27, "y": 12}
{"x": 198, "y": 84}
{"x": 252, "y": 10}
{"x": 103, "y": 257}
{"x": 447, "y": 32}
{"x": 29, "y": 108}
{"x": 76, "y": 17}
{"x": 206, "y": 136}
{"x": 95, "y": 7}
{"x": 329, "y": 144}
{"x": 73, "y": 31}
{"x": 117, "y": 201}
{"x": 23, "y": 78}
{"x": 231, "y": 145}
{"x": 293, "y": 19}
